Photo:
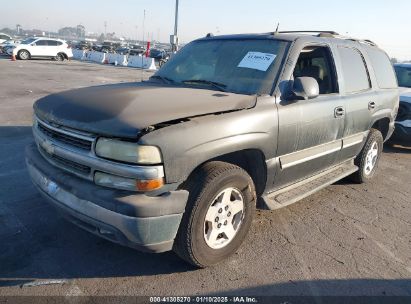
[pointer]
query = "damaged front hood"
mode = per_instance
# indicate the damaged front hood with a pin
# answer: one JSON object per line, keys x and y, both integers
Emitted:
{"x": 123, "y": 110}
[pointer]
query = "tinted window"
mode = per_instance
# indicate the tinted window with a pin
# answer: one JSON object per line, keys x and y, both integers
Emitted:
{"x": 354, "y": 71}
{"x": 41, "y": 42}
{"x": 404, "y": 76}
{"x": 28, "y": 41}
{"x": 52, "y": 43}
{"x": 382, "y": 68}
{"x": 59, "y": 42}
{"x": 4, "y": 37}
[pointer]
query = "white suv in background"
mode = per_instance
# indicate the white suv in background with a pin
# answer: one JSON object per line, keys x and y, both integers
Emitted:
{"x": 42, "y": 48}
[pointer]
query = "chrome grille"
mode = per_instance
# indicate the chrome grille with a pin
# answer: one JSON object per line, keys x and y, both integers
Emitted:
{"x": 76, "y": 167}
{"x": 64, "y": 137}
{"x": 73, "y": 151}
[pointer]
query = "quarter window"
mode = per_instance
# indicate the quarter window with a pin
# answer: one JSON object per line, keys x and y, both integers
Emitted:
{"x": 354, "y": 70}
{"x": 383, "y": 69}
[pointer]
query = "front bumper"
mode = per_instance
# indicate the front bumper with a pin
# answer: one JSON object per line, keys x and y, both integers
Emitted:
{"x": 401, "y": 135}
{"x": 130, "y": 219}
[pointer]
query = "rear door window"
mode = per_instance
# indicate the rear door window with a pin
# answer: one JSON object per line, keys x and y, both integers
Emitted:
{"x": 41, "y": 42}
{"x": 383, "y": 69}
{"x": 354, "y": 70}
{"x": 52, "y": 43}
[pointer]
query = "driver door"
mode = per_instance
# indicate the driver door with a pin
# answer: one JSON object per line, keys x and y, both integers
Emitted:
{"x": 310, "y": 131}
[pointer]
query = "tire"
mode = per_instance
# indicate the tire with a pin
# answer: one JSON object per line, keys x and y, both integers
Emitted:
{"x": 23, "y": 55}
{"x": 367, "y": 161}
{"x": 207, "y": 188}
{"x": 60, "y": 57}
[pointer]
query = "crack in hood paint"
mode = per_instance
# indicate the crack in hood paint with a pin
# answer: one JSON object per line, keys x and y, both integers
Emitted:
{"x": 123, "y": 110}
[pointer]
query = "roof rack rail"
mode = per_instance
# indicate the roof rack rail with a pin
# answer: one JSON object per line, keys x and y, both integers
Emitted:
{"x": 365, "y": 41}
{"x": 309, "y": 32}
{"x": 332, "y": 34}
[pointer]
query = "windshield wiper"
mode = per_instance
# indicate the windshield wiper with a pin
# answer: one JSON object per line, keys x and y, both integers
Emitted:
{"x": 164, "y": 79}
{"x": 217, "y": 85}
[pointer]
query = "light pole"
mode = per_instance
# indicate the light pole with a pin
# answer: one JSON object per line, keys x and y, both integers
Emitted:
{"x": 174, "y": 38}
{"x": 144, "y": 21}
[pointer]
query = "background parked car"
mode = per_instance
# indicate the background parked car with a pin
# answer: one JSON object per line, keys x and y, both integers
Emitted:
{"x": 159, "y": 54}
{"x": 4, "y": 46}
{"x": 84, "y": 45}
{"x": 402, "y": 133}
{"x": 123, "y": 50}
{"x": 109, "y": 47}
{"x": 42, "y": 48}
{"x": 136, "y": 49}
{"x": 5, "y": 37}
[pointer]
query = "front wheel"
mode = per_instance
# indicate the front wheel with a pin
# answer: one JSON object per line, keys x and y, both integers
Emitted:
{"x": 218, "y": 215}
{"x": 367, "y": 160}
{"x": 24, "y": 55}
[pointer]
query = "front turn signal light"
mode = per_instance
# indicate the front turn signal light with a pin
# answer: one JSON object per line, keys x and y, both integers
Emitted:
{"x": 150, "y": 184}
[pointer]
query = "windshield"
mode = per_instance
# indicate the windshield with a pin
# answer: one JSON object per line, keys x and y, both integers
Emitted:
{"x": 28, "y": 41}
{"x": 403, "y": 76}
{"x": 247, "y": 66}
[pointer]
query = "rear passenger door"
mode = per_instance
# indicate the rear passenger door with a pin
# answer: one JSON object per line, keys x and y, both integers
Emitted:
{"x": 53, "y": 48}
{"x": 358, "y": 98}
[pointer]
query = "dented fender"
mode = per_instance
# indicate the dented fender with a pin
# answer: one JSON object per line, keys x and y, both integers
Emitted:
{"x": 187, "y": 145}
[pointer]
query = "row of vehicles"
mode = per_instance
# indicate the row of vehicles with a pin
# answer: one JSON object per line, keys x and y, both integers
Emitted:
{"x": 57, "y": 48}
{"x": 123, "y": 49}
{"x": 228, "y": 121}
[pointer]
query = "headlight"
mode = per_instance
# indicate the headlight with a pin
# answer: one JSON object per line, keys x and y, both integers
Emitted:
{"x": 128, "y": 152}
{"x": 117, "y": 182}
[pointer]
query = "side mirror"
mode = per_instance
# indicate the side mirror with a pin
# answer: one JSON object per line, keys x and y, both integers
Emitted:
{"x": 306, "y": 88}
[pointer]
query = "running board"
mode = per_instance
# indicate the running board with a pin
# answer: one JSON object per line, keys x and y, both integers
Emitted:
{"x": 296, "y": 192}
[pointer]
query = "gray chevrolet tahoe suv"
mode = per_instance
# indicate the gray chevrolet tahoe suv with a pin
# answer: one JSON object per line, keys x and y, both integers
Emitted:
{"x": 179, "y": 162}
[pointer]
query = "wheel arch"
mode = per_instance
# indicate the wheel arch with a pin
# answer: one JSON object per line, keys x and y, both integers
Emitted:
{"x": 64, "y": 55}
{"x": 382, "y": 125}
{"x": 250, "y": 160}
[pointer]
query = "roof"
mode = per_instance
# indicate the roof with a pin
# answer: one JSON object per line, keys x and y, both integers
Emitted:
{"x": 318, "y": 36}
{"x": 46, "y": 38}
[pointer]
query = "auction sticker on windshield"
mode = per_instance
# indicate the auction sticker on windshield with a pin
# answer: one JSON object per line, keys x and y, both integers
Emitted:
{"x": 257, "y": 61}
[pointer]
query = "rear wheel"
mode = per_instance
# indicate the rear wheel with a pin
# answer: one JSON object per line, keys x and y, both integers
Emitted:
{"x": 367, "y": 160}
{"x": 23, "y": 55}
{"x": 60, "y": 57}
{"x": 218, "y": 215}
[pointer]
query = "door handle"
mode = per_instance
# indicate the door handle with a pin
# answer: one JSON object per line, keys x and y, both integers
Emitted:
{"x": 371, "y": 105}
{"x": 339, "y": 112}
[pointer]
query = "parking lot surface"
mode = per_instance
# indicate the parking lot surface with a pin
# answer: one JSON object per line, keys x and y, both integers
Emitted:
{"x": 348, "y": 239}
